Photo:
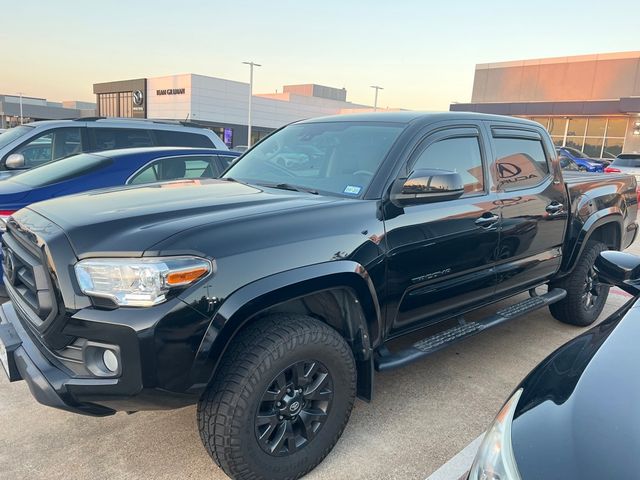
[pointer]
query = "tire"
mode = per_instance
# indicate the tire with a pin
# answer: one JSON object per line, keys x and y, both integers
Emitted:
{"x": 249, "y": 399}
{"x": 586, "y": 297}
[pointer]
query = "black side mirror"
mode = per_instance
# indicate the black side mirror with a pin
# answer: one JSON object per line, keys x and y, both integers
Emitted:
{"x": 426, "y": 186}
{"x": 619, "y": 269}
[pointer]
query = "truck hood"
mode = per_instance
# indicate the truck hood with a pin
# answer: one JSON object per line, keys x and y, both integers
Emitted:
{"x": 128, "y": 221}
{"x": 578, "y": 415}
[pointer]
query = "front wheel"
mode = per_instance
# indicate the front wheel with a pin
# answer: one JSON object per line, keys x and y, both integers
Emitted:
{"x": 281, "y": 399}
{"x": 586, "y": 296}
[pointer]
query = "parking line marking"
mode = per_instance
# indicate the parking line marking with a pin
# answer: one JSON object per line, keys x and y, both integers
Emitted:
{"x": 459, "y": 465}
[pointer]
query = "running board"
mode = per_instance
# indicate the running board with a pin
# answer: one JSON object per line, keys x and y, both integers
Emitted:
{"x": 386, "y": 360}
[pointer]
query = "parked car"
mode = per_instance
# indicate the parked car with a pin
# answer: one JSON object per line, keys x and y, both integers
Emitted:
{"x": 575, "y": 416}
{"x": 582, "y": 160}
{"x": 270, "y": 296}
{"x": 2, "y": 130}
{"x": 30, "y": 145}
{"x": 566, "y": 163}
{"x": 625, "y": 163}
{"x": 88, "y": 171}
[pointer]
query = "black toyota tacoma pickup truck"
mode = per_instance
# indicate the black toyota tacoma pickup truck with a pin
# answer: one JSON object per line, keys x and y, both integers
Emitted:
{"x": 270, "y": 296}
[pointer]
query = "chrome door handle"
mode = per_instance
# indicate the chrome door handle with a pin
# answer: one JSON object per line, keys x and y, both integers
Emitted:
{"x": 487, "y": 221}
{"x": 554, "y": 208}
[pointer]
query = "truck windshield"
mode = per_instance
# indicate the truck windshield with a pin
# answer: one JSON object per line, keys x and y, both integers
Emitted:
{"x": 336, "y": 158}
{"x": 10, "y": 135}
{"x": 61, "y": 170}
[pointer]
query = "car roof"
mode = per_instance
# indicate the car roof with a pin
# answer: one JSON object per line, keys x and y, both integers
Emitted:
{"x": 158, "y": 124}
{"x": 405, "y": 117}
{"x": 149, "y": 151}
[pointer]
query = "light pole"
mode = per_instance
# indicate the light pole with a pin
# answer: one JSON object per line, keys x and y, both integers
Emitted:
{"x": 375, "y": 102}
{"x": 251, "y": 65}
{"x": 20, "y": 93}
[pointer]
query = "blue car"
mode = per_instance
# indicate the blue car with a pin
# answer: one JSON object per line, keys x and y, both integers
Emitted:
{"x": 88, "y": 171}
{"x": 584, "y": 162}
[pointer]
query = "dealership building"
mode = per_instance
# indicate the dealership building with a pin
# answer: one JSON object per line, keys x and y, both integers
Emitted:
{"x": 15, "y": 110}
{"x": 588, "y": 102}
{"x": 219, "y": 104}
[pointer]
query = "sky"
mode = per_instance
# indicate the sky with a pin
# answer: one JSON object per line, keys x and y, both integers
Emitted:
{"x": 422, "y": 53}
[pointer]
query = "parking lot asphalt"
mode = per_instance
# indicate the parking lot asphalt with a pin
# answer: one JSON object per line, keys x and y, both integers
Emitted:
{"x": 421, "y": 416}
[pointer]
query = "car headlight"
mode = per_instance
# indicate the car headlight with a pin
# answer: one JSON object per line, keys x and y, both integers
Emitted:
{"x": 495, "y": 459}
{"x": 139, "y": 282}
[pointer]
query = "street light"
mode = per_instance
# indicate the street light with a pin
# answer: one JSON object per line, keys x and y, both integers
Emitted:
{"x": 20, "y": 93}
{"x": 375, "y": 102}
{"x": 251, "y": 65}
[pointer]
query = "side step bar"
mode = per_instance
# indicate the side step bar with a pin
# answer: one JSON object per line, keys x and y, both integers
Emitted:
{"x": 386, "y": 360}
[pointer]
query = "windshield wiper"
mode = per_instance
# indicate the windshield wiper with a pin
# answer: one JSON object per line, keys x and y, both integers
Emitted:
{"x": 288, "y": 186}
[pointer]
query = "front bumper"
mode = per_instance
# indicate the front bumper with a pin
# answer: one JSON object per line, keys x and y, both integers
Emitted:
{"x": 23, "y": 361}
{"x": 137, "y": 388}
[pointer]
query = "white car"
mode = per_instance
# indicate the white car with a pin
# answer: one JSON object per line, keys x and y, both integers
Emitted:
{"x": 625, "y": 163}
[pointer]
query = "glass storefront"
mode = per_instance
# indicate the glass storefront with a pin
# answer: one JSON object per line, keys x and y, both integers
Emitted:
{"x": 597, "y": 137}
{"x": 115, "y": 104}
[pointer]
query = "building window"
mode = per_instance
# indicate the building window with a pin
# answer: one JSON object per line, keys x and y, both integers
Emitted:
{"x": 108, "y": 104}
{"x": 126, "y": 104}
{"x": 597, "y": 137}
{"x": 115, "y": 104}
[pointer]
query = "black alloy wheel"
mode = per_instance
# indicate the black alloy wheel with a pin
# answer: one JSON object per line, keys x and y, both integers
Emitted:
{"x": 586, "y": 296}
{"x": 592, "y": 290}
{"x": 294, "y": 408}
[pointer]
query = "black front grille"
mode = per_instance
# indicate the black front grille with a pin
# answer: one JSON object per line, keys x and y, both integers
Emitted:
{"x": 27, "y": 279}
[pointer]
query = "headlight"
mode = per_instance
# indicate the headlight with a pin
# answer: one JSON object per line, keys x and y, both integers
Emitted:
{"x": 139, "y": 282}
{"x": 495, "y": 460}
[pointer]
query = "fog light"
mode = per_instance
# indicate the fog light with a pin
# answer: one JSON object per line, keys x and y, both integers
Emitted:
{"x": 110, "y": 360}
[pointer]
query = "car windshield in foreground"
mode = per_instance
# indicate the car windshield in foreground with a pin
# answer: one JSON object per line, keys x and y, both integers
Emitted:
{"x": 632, "y": 161}
{"x": 338, "y": 158}
{"x": 61, "y": 170}
{"x": 10, "y": 135}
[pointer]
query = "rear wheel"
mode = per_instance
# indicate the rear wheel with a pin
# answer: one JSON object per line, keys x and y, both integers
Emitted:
{"x": 280, "y": 400}
{"x": 586, "y": 296}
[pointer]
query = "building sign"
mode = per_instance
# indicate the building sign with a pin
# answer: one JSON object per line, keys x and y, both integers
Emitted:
{"x": 171, "y": 91}
{"x": 138, "y": 98}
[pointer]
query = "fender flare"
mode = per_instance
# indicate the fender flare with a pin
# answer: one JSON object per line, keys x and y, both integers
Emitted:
{"x": 243, "y": 304}
{"x": 598, "y": 219}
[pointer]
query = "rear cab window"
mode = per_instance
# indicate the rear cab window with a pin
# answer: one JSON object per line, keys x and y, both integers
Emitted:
{"x": 521, "y": 161}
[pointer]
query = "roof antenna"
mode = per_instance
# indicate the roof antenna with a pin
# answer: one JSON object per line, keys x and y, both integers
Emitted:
{"x": 187, "y": 119}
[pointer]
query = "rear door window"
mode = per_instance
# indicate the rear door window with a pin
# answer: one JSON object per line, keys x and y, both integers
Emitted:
{"x": 520, "y": 162}
{"x": 172, "y": 138}
{"x": 177, "y": 168}
{"x": 115, "y": 138}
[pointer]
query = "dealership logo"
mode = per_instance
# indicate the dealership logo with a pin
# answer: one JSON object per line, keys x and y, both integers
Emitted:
{"x": 171, "y": 91}
{"x": 138, "y": 98}
{"x": 508, "y": 170}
